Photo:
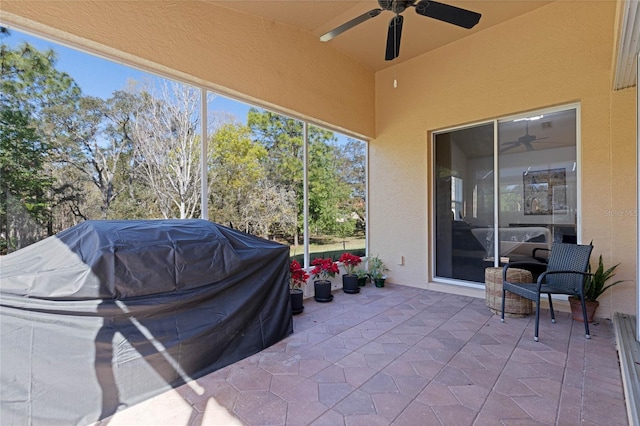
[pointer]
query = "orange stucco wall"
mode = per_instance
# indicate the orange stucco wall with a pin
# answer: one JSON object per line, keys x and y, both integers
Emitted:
{"x": 559, "y": 54}
{"x": 274, "y": 64}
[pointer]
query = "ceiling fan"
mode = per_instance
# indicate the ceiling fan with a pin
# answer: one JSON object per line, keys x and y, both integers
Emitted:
{"x": 525, "y": 140}
{"x": 440, "y": 11}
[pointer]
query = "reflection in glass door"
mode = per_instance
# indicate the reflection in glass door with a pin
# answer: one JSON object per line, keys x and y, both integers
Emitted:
{"x": 464, "y": 200}
{"x": 537, "y": 183}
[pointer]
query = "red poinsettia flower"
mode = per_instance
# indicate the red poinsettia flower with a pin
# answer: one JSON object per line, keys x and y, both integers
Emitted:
{"x": 350, "y": 261}
{"x": 324, "y": 268}
{"x": 298, "y": 275}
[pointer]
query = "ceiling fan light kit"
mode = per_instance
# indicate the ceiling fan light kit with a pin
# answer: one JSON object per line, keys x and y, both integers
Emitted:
{"x": 443, "y": 12}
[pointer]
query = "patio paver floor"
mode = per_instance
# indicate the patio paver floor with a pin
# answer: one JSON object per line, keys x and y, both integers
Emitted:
{"x": 406, "y": 356}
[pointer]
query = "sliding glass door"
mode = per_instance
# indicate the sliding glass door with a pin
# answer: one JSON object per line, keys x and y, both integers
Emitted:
{"x": 526, "y": 172}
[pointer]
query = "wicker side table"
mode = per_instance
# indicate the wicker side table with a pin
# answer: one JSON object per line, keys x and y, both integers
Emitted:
{"x": 514, "y": 305}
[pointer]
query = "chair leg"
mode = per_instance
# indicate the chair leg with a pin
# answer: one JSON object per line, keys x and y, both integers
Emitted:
{"x": 584, "y": 317}
{"x": 504, "y": 293}
{"x": 535, "y": 336}
{"x": 553, "y": 315}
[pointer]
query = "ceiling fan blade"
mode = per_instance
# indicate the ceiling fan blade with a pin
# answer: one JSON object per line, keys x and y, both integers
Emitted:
{"x": 508, "y": 148}
{"x": 512, "y": 143}
{"x": 393, "y": 38}
{"x": 350, "y": 24}
{"x": 451, "y": 14}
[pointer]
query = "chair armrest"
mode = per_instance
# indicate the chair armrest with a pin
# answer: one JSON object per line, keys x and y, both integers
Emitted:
{"x": 536, "y": 268}
{"x": 540, "y": 259}
{"x": 542, "y": 276}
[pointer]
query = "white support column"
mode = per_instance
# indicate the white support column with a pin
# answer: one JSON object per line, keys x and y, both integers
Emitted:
{"x": 305, "y": 185}
{"x": 366, "y": 200}
{"x": 496, "y": 196}
{"x": 204, "y": 160}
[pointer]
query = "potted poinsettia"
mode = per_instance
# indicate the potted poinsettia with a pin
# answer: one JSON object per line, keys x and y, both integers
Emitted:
{"x": 297, "y": 279}
{"x": 350, "y": 278}
{"x": 323, "y": 269}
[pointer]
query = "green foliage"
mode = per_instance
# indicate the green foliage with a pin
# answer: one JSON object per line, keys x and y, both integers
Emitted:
{"x": 345, "y": 227}
{"x": 362, "y": 273}
{"x": 330, "y": 192}
{"x": 31, "y": 90}
{"x": 376, "y": 268}
{"x": 352, "y": 170}
{"x": 235, "y": 169}
{"x": 234, "y": 160}
{"x": 596, "y": 283}
{"x": 282, "y": 138}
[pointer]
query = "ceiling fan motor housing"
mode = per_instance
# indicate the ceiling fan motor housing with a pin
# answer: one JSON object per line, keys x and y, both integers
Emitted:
{"x": 385, "y": 4}
{"x": 396, "y": 6}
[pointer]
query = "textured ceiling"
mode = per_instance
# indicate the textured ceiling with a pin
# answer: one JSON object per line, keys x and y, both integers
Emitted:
{"x": 366, "y": 42}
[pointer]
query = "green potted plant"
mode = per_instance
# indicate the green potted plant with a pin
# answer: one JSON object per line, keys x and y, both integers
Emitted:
{"x": 350, "y": 278}
{"x": 323, "y": 269}
{"x": 595, "y": 286}
{"x": 377, "y": 268}
{"x": 298, "y": 278}
{"x": 363, "y": 276}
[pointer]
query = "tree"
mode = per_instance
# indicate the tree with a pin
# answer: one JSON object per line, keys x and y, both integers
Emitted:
{"x": 235, "y": 168}
{"x": 31, "y": 87}
{"x": 328, "y": 193}
{"x": 353, "y": 172}
{"x": 167, "y": 147}
{"x": 270, "y": 209}
{"x": 282, "y": 137}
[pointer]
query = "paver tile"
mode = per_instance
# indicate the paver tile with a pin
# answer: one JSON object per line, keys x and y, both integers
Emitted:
{"x": 406, "y": 356}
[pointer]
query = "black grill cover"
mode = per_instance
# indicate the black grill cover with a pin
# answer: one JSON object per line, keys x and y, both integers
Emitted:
{"x": 108, "y": 313}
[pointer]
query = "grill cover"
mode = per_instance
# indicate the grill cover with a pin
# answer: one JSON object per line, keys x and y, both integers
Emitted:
{"x": 108, "y": 313}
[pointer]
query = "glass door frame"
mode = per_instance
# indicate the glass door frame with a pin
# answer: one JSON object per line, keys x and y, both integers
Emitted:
{"x": 431, "y": 264}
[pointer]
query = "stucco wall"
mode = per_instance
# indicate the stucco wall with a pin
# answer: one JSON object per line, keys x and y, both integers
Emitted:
{"x": 274, "y": 64}
{"x": 559, "y": 54}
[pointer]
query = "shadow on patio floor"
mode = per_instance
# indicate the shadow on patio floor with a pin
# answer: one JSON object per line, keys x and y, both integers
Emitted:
{"x": 405, "y": 356}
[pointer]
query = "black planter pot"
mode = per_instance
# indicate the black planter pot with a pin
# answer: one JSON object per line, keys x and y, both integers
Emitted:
{"x": 322, "y": 291}
{"x": 296, "y": 301}
{"x": 379, "y": 282}
{"x": 350, "y": 284}
{"x": 362, "y": 281}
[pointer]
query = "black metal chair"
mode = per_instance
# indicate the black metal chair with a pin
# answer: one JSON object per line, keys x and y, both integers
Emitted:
{"x": 566, "y": 273}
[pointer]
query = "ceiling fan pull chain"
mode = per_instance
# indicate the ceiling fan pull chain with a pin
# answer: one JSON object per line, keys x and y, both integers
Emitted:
{"x": 395, "y": 81}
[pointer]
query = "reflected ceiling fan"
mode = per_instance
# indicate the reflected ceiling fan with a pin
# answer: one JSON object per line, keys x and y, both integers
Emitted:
{"x": 525, "y": 140}
{"x": 431, "y": 9}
